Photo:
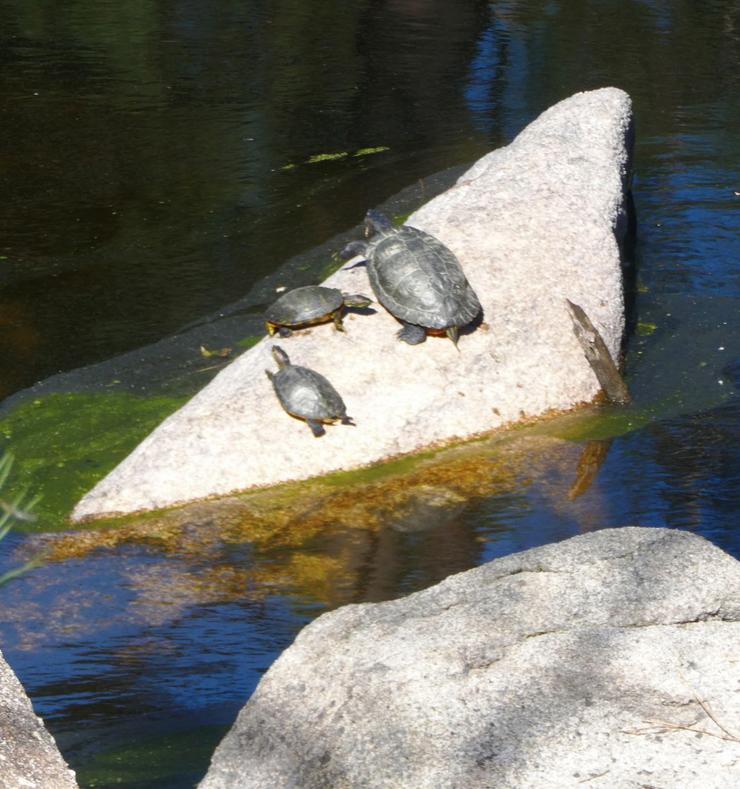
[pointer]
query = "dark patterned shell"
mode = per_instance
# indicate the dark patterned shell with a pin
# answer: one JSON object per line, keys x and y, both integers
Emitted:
{"x": 419, "y": 280}
{"x": 307, "y": 394}
{"x": 304, "y": 305}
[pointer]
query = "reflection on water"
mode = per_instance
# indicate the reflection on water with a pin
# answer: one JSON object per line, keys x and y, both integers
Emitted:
{"x": 161, "y": 160}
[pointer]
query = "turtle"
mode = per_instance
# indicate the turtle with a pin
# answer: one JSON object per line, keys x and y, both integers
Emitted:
{"x": 416, "y": 278}
{"x": 309, "y": 305}
{"x": 307, "y": 395}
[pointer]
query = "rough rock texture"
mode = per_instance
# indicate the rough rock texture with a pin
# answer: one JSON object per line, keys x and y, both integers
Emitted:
{"x": 532, "y": 224}
{"x": 29, "y": 758}
{"x": 569, "y": 665}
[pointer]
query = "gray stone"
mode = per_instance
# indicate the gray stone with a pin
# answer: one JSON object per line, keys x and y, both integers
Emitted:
{"x": 593, "y": 662}
{"x": 29, "y": 757}
{"x": 532, "y": 224}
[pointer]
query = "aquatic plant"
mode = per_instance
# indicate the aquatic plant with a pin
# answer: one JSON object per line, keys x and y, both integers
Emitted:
{"x": 14, "y": 510}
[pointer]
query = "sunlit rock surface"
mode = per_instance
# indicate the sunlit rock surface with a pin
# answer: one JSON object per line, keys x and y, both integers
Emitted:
{"x": 597, "y": 661}
{"x": 532, "y": 224}
{"x": 29, "y": 758}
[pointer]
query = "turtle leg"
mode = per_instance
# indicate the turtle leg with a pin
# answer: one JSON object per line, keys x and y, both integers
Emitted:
{"x": 412, "y": 334}
{"x": 352, "y": 249}
{"x": 337, "y": 317}
{"x": 347, "y": 420}
{"x": 316, "y": 427}
{"x": 284, "y": 331}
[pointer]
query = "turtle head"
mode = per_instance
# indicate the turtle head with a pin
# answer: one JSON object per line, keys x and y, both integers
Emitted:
{"x": 279, "y": 355}
{"x": 356, "y": 300}
{"x": 375, "y": 222}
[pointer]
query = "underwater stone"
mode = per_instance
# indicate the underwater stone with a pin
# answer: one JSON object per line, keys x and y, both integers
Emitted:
{"x": 533, "y": 224}
{"x": 583, "y": 663}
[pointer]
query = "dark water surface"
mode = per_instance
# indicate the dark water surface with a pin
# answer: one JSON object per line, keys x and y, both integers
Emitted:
{"x": 161, "y": 160}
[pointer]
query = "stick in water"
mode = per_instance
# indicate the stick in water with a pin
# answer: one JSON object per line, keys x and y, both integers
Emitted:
{"x": 598, "y": 356}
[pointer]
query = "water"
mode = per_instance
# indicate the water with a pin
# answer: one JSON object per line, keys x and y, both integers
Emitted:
{"x": 157, "y": 165}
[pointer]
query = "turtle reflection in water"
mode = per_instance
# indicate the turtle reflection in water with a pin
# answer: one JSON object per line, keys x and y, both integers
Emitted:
{"x": 307, "y": 395}
{"x": 417, "y": 279}
{"x": 308, "y": 306}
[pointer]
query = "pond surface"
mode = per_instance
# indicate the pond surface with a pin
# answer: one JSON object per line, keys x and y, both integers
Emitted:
{"x": 160, "y": 164}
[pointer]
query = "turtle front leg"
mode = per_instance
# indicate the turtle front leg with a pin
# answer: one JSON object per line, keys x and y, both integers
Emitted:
{"x": 338, "y": 317}
{"x": 352, "y": 249}
{"x": 316, "y": 427}
{"x": 412, "y": 334}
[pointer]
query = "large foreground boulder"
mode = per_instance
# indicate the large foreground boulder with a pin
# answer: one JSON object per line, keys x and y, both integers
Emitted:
{"x": 610, "y": 659}
{"x": 532, "y": 224}
{"x": 29, "y": 758}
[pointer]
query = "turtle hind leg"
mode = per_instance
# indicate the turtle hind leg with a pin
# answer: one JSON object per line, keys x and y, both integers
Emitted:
{"x": 316, "y": 427}
{"x": 412, "y": 334}
{"x": 347, "y": 420}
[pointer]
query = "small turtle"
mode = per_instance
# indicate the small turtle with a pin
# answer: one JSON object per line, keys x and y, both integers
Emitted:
{"x": 417, "y": 279}
{"x": 305, "y": 394}
{"x": 310, "y": 305}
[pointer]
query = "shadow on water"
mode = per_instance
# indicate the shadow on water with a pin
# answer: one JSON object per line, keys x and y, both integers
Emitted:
{"x": 196, "y": 153}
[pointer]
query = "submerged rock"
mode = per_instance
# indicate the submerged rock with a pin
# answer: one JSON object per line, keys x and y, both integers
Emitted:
{"x": 609, "y": 659}
{"x": 532, "y": 224}
{"x": 28, "y": 754}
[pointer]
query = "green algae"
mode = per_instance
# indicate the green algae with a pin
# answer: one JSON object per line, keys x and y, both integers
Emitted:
{"x": 248, "y": 342}
{"x": 368, "y": 151}
{"x": 596, "y": 424}
{"x": 158, "y": 761}
{"x": 645, "y": 328}
{"x": 326, "y": 157}
{"x": 65, "y": 442}
{"x": 334, "y": 264}
{"x": 377, "y": 471}
{"x": 399, "y": 219}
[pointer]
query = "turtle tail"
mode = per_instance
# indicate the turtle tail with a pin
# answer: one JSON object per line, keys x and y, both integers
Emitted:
{"x": 454, "y": 334}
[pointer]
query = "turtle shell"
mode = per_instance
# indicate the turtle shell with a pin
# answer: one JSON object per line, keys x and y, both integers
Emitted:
{"x": 307, "y": 394}
{"x": 419, "y": 280}
{"x": 304, "y": 305}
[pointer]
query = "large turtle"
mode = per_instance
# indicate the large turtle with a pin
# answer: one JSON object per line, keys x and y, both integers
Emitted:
{"x": 309, "y": 305}
{"x": 306, "y": 394}
{"x": 417, "y": 279}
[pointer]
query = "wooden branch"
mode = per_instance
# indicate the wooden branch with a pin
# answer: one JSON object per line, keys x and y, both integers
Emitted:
{"x": 598, "y": 356}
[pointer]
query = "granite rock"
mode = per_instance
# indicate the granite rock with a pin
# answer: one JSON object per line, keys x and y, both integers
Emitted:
{"x": 29, "y": 757}
{"x": 594, "y": 662}
{"x": 532, "y": 224}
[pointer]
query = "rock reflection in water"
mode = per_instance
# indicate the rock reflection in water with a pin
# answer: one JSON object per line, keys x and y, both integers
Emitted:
{"x": 427, "y": 508}
{"x": 327, "y": 543}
